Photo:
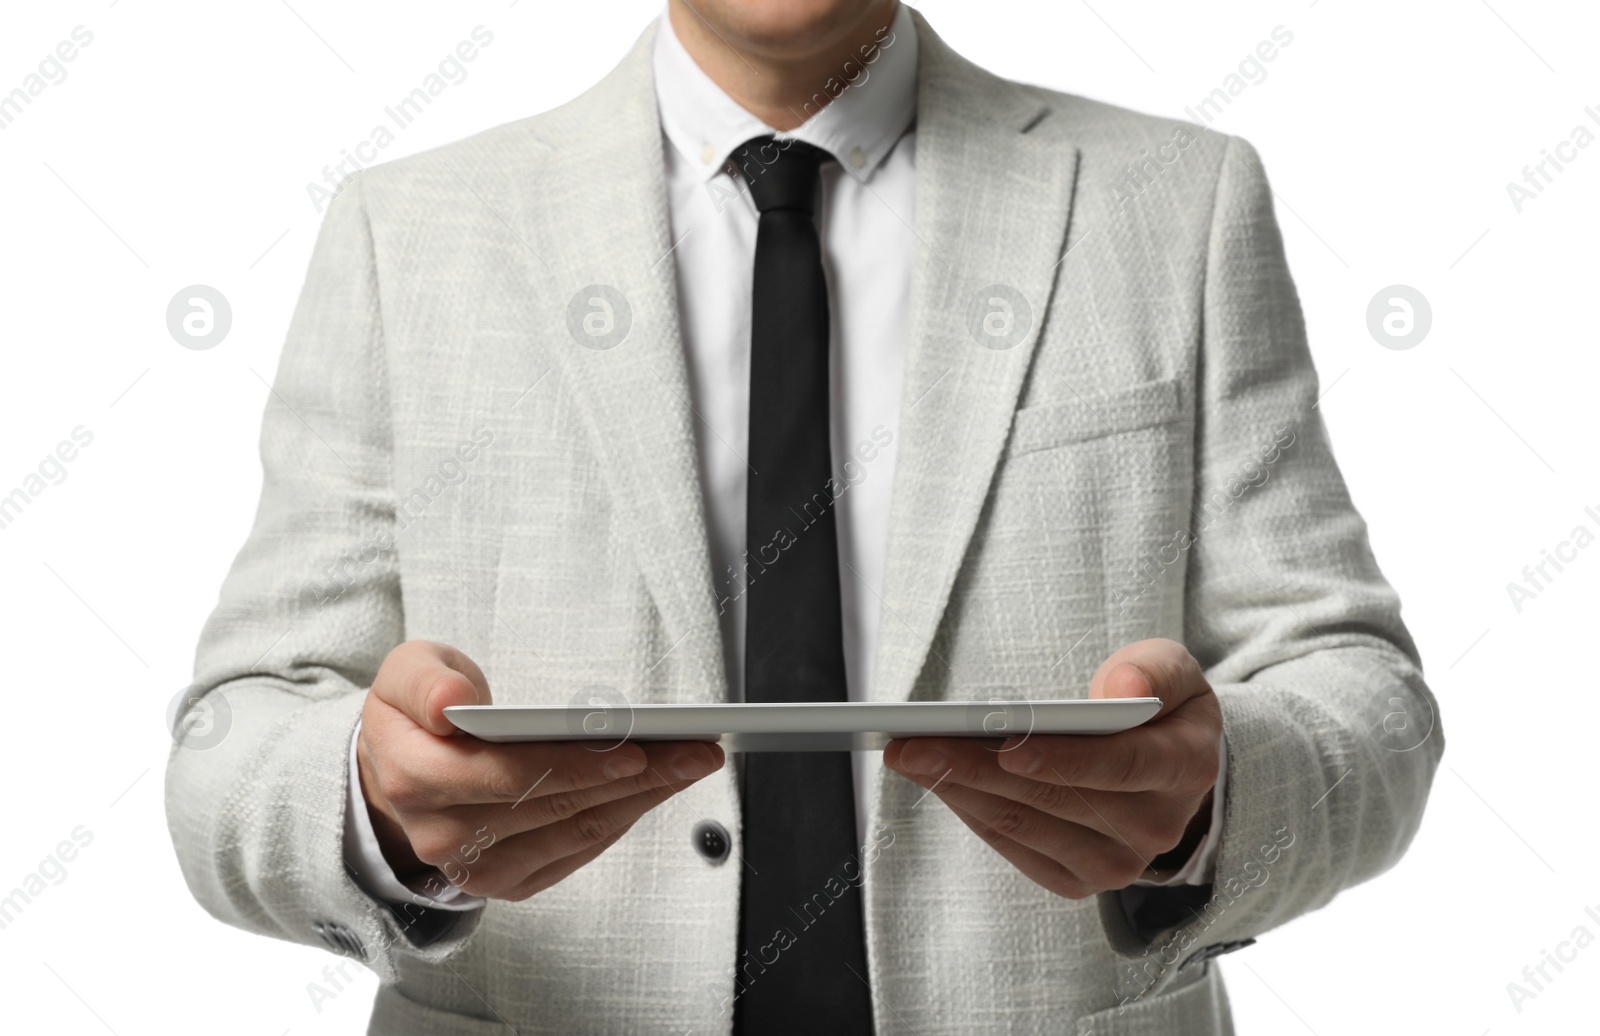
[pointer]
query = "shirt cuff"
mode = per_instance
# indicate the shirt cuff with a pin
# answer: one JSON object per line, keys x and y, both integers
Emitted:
{"x": 1202, "y": 866}
{"x": 363, "y": 857}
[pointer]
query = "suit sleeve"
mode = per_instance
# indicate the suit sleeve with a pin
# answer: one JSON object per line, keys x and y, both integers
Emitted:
{"x": 1332, "y": 735}
{"x": 309, "y": 609}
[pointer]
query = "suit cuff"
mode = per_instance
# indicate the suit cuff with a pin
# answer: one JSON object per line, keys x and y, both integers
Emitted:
{"x": 363, "y": 858}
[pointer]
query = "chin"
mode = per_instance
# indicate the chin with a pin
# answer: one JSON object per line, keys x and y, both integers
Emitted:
{"x": 778, "y": 27}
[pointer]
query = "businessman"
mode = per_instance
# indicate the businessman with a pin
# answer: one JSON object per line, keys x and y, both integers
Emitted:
{"x": 801, "y": 359}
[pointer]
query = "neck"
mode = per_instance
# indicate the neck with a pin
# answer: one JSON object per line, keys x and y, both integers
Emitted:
{"x": 783, "y": 85}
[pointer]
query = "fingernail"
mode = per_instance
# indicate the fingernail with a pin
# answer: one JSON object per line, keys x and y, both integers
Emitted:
{"x": 1025, "y": 760}
{"x": 689, "y": 767}
{"x": 623, "y": 766}
{"x": 921, "y": 759}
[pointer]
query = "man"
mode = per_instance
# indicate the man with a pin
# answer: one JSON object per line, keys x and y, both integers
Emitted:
{"x": 801, "y": 359}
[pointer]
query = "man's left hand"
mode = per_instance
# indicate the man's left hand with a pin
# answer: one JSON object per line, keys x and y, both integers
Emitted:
{"x": 1086, "y": 813}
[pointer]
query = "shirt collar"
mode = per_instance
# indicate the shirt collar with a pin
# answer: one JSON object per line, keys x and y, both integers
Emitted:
{"x": 859, "y": 128}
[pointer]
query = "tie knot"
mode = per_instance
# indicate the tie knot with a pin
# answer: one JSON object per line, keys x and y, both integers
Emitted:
{"x": 782, "y": 174}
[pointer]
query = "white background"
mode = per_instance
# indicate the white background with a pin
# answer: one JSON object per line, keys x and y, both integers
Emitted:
{"x": 178, "y": 151}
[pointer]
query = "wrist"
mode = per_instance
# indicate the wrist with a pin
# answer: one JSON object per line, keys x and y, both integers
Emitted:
{"x": 1193, "y": 835}
{"x": 391, "y": 836}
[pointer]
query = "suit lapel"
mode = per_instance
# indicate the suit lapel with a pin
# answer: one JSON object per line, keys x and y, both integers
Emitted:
{"x": 587, "y": 203}
{"x": 994, "y": 183}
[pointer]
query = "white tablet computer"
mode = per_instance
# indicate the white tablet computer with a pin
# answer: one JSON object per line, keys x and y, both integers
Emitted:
{"x": 800, "y": 727}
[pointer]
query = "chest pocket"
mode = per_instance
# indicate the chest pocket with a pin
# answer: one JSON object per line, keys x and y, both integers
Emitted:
{"x": 1095, "y": 416}
{"x": 1089, "y": 483}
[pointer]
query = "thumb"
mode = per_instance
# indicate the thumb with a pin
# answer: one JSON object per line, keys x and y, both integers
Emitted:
{"x": 1156, "y": 668}
{"x": 421, "y": 679}
{"x": 1124, "y": 680}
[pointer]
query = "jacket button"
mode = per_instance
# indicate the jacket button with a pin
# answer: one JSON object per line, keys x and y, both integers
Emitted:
{"x": 340, "y": 939}
{"x": 710, "y": 839}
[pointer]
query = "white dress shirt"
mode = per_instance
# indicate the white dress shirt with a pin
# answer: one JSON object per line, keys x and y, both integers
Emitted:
{"x": 868, "y": 246}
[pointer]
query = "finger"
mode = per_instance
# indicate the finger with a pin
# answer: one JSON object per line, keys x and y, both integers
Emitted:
{"x": 466, "y": 828}
{"x": 1146, "y": 817}
{"x": 1124, "y": 832}
{"x": 510, "y": 862}
{"x": 531, "y": 884}
{"x": 561, "y": 767}
{"x": 1041, "y": 869}
{"x": 1156, "y": 668}
{"x": 1168, "y": 756}
{"x": 466, "y": 771}
{"x": 421, "y": 678}
{"x": 555, "y": 872}
{"x": 1155, "y": 760}
{"x": 960, "y": 760}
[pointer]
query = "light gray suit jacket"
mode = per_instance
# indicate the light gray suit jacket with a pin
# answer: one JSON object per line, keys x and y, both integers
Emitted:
{"x": 1146, "y": 461}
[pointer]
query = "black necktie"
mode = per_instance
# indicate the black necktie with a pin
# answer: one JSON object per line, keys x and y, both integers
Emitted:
{"x": 800, "y": 920}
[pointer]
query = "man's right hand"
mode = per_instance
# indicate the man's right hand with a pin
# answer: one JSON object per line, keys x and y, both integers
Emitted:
{"x": 502, "y": 821}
